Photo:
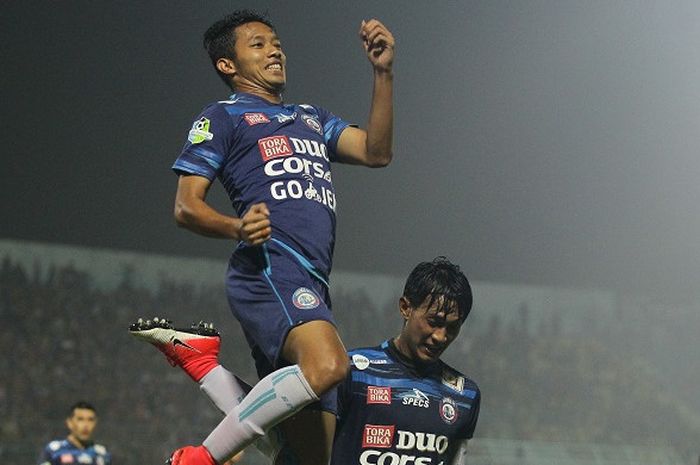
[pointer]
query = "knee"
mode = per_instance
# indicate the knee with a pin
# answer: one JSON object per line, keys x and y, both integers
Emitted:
{"x": 326, "y": 373}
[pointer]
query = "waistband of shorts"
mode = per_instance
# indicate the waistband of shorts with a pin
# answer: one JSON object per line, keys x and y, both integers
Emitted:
{"x": 297, "y": 256}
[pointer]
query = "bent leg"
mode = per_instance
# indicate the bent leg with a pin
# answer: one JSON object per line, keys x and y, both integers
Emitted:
{"x": 275, "y": 397}
{"x": 316, "y": 347}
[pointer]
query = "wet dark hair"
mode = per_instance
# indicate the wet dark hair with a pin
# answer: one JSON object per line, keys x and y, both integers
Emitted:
{"x": 220, "y": 38}
{"x": 442, "y": 281}
{"x": 82, "y": 405}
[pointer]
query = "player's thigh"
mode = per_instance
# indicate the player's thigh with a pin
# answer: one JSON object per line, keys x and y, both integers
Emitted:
{"x": 310, "y": 435}
{"x": 316, "y": 347}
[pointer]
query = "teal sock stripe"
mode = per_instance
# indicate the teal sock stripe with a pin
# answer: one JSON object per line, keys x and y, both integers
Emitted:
{"x": 268, "y": 395}
{"x": 283, "y": 374}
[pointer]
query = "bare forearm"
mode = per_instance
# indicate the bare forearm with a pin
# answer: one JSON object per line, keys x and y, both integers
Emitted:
{"x": 381, "y": 119}
{"x": 200, "y": 218}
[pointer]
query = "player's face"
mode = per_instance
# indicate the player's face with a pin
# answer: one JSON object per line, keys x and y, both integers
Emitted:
{"x": 82, "y": 424}
{"x": 427, "y": 331}
{"x": 260, "y": 62}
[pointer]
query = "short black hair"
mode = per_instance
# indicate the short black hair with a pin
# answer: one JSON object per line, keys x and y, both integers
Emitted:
{"x": 439, "y": 280}
{"x": 220, "y": 38}
{"x": 82, "y": 405}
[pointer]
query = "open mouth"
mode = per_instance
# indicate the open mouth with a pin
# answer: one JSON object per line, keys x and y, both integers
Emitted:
{"x": 274, "y": 67}
{"x": 433, "y": 351}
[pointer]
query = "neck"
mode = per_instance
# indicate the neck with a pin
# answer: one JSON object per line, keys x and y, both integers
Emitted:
{"x": 270, "y": 96}
{"x": 401, "y": 347}
{"x": 76, "y": 442}
{"x": 408, "y": 359}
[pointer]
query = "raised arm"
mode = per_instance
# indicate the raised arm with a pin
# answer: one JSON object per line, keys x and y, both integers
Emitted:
{"x": 373, "y": 147}
{"x": 194, "y": 213}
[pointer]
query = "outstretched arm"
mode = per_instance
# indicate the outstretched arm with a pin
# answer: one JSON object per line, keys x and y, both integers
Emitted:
{"x": 193, "y": 212}
{"x": 373, "y": 147}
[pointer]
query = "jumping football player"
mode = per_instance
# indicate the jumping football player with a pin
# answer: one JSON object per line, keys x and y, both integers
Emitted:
{"x": 274, "y": 161}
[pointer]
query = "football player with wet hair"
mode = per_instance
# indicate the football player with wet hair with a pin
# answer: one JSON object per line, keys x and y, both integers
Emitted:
{"x": 399, "y": 398}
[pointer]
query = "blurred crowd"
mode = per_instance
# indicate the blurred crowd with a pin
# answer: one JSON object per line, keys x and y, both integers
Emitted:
{"x": 64, "y": 340}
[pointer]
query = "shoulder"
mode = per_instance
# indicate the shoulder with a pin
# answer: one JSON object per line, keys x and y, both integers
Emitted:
{"x": 362, "y": 357}
{"x": 220, "y": 108}
{"x": 56, "y": 444}
{"x": 308, "y": 108}
{"x": 458, "y": 382}
{"x": 100, "y": 449}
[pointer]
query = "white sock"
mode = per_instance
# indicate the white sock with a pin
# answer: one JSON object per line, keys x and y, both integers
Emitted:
{"x": 226, "y": 390}
{"x": 276, "y": 397}
{"x": 223, "y": 388}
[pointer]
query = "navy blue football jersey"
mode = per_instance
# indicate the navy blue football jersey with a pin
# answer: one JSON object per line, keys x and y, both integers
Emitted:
{"x": 64, "y": 452}
{"x": 393, "y": 412}
{"x": 273, "y": 153}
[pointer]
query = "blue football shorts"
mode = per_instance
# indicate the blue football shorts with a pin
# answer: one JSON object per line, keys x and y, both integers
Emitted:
{"x": 270, "y": 292}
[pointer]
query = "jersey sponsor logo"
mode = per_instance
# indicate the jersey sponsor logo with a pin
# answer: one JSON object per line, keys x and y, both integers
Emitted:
{"x": 295, "y": 165}
{"x": 281, "y": 190}
{"x": 379, "y": 395}
{"x": 255, "y": 118}
{"x": 422, "y": 442}
{"x": 312, "y": 123}
{"x": 200, "y": 131}
{"x": 453, "y": 380}
{"x": 310, "y": 147}
{"x": 416, "y": 399}
{"x": 274, "y": 146}
{"x": 275, "y": 151}
{"x": 374, "y": 457}
{"x": 360, "y": 361}
{"x": 407, "y": 441}
{"x": 67, "y": 458}
{"x": 84, "y": 458}
{"x": 448, "y": 410}
{"x": 305, "y": 299}
{"x": 379, "y": 436}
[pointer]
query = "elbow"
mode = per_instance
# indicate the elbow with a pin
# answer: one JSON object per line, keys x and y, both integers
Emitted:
{"x": 381, "y": 160}
{"x": 181, "y": 215}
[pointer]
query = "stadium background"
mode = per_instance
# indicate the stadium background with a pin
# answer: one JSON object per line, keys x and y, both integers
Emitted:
{"x": 548, "y": 147}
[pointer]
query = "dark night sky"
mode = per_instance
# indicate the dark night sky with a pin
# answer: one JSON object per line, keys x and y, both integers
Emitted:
{"x": 539, "y": 142}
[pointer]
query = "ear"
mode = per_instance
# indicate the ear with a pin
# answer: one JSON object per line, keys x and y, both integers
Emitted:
{"x": 68, "y": 422}
{"x": 405, "y": 308}
{"x": 226, "y": 66}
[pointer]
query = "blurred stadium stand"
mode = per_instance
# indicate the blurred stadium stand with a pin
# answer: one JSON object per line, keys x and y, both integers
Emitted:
{"x": 570, "y": 377}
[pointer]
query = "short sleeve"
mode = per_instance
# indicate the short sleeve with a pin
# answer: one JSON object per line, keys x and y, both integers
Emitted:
{"x": 45, "y": 457}
{"x": 333, "y": 126}
{"x": 344, "y": 395}
{"x": 468, "y": 431}
{"x": 208, "y": 143}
